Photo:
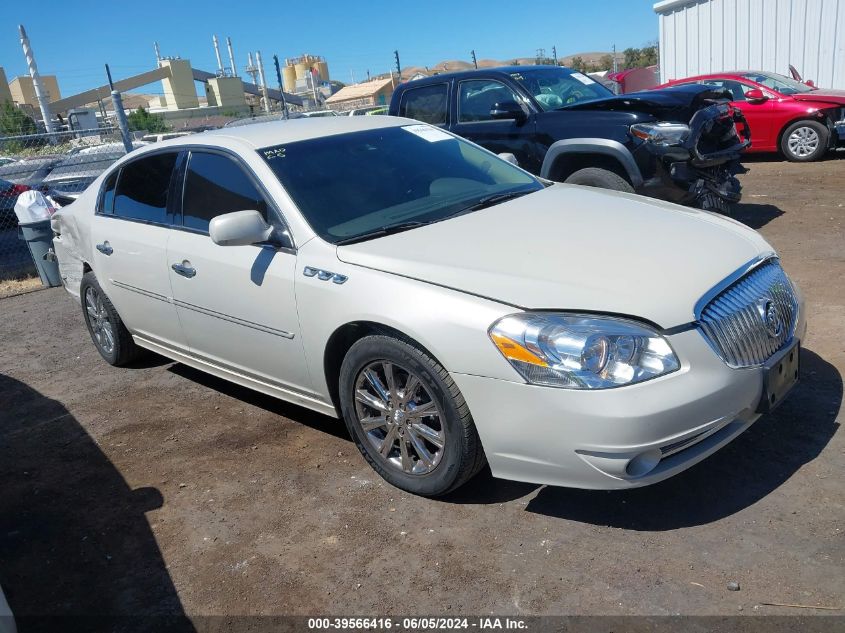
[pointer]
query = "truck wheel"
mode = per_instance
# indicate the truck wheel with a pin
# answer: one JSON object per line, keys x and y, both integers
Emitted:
{"x": 110, "y": 336}
{"x": 602, "y": 178}
{"x": 408, "y": 417}
{"x": 804, "y": 141}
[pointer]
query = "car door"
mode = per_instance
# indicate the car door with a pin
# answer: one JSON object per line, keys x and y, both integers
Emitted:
{"x": 236, "y": 303}
{"x": 758, "y": 114}
{"x": 130, "y": 231}
{"x": 473, "y": 121}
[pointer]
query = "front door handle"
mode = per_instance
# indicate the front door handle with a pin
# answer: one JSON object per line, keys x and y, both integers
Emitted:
{"x": 185, "y": 269}
{"x": 105, "y": 248}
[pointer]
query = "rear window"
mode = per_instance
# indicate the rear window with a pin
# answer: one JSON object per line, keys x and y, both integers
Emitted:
{"x": 142, "y": 188}
{"x": 427, "y": 104}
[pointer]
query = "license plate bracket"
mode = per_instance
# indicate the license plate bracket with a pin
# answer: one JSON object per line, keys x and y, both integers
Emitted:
{"x": 780, "y": 375}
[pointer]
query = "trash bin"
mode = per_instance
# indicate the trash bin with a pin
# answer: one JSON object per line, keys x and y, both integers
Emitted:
{"x": 39, "y": 238}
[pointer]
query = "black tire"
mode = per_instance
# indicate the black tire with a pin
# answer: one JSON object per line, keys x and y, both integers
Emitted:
{"x": 462, "y": 455}
{"x": 598, "y": 177}
{"x": 814, "y": 135}
{"x": 123, "y": 350}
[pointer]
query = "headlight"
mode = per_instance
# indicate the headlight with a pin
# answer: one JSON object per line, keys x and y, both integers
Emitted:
{"x": 662, "y": 133}
{"x": 581, "y": 351}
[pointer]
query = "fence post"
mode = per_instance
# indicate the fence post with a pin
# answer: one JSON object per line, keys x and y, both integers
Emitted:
{"x": 122, "y": 122}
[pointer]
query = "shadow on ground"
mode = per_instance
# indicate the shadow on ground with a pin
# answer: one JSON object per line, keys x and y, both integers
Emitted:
{"x": 755, "y": 216}
{"x": 300, "y": 415}
{"x": 74, "y": 538}
{"x": 737, "y": 476}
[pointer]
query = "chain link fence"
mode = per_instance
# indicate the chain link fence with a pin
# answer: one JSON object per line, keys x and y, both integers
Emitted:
{"x": 60, "y": 165}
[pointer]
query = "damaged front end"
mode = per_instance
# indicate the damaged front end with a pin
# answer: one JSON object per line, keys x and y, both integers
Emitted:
{"x": 701, "y": 160}
{"x": 691, "y": 153}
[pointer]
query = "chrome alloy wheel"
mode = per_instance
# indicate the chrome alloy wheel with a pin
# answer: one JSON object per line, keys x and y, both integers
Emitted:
{"x": 399, "y": 417}
{"x": 803, "y": 141}
{"x": 98, "y": 319}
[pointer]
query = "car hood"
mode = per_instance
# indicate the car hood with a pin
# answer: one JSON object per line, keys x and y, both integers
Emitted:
{"x": 675, "y": 103}
{"x": 573, "y": 248}
{"x": 827, "y": 96}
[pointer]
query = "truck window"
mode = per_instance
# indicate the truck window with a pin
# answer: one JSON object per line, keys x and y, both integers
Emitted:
{"x": 427, "y": 104}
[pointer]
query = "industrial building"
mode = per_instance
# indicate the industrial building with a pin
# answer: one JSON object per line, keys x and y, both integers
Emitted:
{"x": 703, "y": 36}
{"x": 300, "y": 75}
{"x": 367, "y": 93}
{"x": 23, "y": 93}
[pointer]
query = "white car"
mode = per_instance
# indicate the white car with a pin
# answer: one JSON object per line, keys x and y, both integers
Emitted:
{"x": 449, "y": 306}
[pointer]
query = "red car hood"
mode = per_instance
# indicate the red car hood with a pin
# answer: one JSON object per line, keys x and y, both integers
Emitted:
{"x": 828, "y": 96}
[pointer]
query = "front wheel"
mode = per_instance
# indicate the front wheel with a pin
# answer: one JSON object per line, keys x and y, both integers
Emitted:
{"x": 804, "y": 141}
{"x": 602, "y": 178}
{"x": 408, "y": 417}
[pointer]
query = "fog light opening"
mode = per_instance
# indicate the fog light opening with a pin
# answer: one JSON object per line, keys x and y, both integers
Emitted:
{"x": 643, "y": 463}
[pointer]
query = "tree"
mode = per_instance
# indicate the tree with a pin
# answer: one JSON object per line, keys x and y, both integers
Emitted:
{"x": 143, "y": 120}
{"x": 606, "y": 62}
{"x": 578, "y": 64}
{"x": 641, "y": 57}
{"x": 13, "y": 121}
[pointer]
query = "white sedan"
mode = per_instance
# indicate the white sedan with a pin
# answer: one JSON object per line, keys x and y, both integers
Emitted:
{"x": 451, "y": 308}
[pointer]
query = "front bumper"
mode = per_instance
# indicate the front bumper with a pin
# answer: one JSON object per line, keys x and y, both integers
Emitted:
{"x": 615, "y": 438}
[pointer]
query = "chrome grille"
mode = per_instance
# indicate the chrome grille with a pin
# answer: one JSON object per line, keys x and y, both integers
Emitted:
{"x": 740, "y": 321}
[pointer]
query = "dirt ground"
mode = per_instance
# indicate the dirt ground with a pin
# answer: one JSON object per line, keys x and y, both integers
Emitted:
{"x": 158, "y": 489}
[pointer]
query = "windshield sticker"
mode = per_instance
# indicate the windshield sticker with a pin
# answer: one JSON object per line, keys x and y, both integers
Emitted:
{"x": 273, "y": 152}
{"x": 431, "y": 134}
{"x": 583, "y": 79}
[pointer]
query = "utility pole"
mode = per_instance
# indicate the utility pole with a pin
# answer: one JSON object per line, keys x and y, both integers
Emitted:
{"x": 281, "y": 87}
{"x": 615, "y": 63}
{"x": 474, "y": 61}
{"x": 541, "y": 54}
{"x": 554, "y": 54}
{"x": 43, "y": 103}
{"x": 398, "y": 67}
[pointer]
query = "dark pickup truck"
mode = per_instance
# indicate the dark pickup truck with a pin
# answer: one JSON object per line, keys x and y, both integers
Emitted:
{"x": 680, "y": 144}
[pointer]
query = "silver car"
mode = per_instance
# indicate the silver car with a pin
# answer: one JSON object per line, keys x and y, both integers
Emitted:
{"x": 450, "y": 307}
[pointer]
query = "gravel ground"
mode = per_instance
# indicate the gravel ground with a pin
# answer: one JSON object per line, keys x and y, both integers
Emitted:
{"x": 158, "y": 489}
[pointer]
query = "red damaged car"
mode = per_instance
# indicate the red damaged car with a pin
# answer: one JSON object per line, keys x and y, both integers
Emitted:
{"x": 795, "y": 118}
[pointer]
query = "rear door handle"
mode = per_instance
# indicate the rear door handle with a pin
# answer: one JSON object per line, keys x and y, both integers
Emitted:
{"x": 105, "y": 248}
{"x": 185, "y": 269}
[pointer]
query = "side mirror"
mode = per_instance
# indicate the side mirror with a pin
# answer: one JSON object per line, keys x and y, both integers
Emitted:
{"x": 507, "y": 156}
{"x": 508, "y": 110}
{"x": 239, "y": 228}
{"x": 810, "y": 83}
{"x": 755, "y": 95}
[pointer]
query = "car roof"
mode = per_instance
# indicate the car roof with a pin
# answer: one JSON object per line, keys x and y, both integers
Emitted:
{"x": 272, "y": 133}
{"x": 460, "y": 74}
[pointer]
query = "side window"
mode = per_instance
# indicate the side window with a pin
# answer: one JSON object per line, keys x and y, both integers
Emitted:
{"x": 476, "y": 97}
{"x": 214, "y": 185}
{"x": 141, "y": 192}
{"x": 427, "y": 104}
{"x": 107, "y": 198}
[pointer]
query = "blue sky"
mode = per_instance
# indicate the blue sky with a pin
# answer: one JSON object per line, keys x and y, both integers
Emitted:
{"x": 79, "y": 37}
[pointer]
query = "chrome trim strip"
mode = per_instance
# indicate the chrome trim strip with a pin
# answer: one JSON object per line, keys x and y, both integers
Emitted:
{"x": 141, "y": 291}
{"x": 735, "y": 276}
{"x": 218, "y": 315}
{"x": 231, "y": 319}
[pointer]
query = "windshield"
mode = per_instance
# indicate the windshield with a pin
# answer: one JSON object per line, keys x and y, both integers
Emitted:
{"x": 783, "y": 85}
{"x": 555, "y": 88}
{"x": 350, "y": 185}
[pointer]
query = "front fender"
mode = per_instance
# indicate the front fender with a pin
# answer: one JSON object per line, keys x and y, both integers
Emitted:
{"x": 606, "y": 147}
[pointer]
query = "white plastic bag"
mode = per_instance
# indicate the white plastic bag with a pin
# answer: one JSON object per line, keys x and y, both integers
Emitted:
{"x": 33, "y": 206}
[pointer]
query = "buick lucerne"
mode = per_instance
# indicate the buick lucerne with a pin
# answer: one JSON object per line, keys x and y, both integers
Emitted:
{"x": 451, "y": 308}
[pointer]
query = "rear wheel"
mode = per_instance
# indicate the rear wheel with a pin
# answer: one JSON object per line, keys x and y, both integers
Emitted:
{"x": 408, "y": 417}
{"x": 110, "y": 336}
{"x": 598, "y": 177}
{"x": 804, "y": 141}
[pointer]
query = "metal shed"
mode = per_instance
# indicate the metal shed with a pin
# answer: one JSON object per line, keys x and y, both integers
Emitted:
{"x": 703, "y": 36}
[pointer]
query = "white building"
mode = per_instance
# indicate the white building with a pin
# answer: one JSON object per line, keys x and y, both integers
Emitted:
{"x": 704, "y": 36}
